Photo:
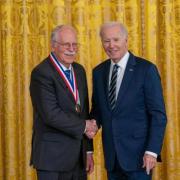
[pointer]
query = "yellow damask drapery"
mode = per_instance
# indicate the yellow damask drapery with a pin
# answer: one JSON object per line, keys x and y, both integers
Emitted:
{"x": 25, "y": 26}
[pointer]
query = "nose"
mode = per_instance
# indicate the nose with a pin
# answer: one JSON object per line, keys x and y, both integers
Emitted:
{"x": 111, "y": 44}
{"x": 71, "y": 48}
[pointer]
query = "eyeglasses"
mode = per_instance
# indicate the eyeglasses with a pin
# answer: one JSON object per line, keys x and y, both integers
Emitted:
{"x": 68, "y": 45}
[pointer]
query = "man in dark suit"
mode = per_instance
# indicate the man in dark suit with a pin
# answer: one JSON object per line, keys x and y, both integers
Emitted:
{"x": 128, "y": 104}
{"x": 58, "y": 88}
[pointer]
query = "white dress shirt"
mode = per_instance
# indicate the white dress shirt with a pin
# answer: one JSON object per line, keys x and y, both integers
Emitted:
{"x": 122, "y": 66}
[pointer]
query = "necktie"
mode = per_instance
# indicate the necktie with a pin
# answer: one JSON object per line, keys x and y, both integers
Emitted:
{"x": 68, "y": 74}
{"x": 112, "y": 87}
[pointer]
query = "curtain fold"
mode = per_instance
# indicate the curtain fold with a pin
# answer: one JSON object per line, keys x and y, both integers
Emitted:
{"x": 25, "y": 27}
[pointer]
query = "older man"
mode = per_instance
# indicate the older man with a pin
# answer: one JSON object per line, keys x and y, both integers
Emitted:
{"x": 128, "y": 104}
{"x": 60, "y": 104}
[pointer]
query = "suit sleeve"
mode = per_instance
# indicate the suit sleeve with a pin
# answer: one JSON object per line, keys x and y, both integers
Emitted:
{"x": 156, "y": 110}
{"x": 94, "y": 114}
{"x": 43, "y": 95}
{"x": 88, "y": 142}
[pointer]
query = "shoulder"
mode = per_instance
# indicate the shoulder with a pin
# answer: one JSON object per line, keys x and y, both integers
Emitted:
{"x": 100, "y": 67}
{"x": 142, "y": 64}
{"x": 78, "y": 67}
{"x": 142, "y": 61}
{"x": 145, "y": 66}
{"x": 42, "y": 68}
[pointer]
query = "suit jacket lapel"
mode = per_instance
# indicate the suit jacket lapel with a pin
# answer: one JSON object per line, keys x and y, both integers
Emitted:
{"x": 79, "y": 86}
{"x": 128, "y": 74}
{"x": 106, "y": 81}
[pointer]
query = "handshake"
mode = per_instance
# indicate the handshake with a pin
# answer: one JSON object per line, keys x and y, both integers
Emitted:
{"x": 91, "y": 128}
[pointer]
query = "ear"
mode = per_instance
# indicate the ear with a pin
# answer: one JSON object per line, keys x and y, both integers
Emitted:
{"x": 126, "y": 39}
{"x": 126, "y": 43}
{"x": 52, "y": 46}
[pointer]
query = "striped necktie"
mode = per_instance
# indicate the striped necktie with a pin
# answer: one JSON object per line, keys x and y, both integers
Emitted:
{"x": 112, "y": 87}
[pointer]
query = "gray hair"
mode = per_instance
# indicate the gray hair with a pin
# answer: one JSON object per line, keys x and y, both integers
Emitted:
{"x": 54, "y": 33}
{"x": 58, "y": 29}
{"x": 123, "y": 29}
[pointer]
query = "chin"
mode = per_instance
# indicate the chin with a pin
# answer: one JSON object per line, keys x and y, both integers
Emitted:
{"x": 70, "y": 61}
{"x": 114, "y": 57}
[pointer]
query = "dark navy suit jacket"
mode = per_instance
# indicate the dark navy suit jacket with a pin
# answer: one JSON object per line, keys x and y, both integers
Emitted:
{"x": 137, "y": 124}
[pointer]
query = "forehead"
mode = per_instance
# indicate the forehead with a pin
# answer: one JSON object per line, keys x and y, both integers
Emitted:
{"x": 67, "y": 34}
{"x": 111, "y": 32}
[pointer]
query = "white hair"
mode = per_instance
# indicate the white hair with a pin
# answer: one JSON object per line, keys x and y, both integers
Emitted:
{"x": 59, "y": 28}
{"x": 122, "y": 28}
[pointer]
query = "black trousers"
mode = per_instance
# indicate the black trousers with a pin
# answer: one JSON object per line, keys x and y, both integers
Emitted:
{"x": 77, "y": 173}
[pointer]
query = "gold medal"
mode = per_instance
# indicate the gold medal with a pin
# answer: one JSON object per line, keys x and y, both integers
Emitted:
{"x": 78, "y": 108}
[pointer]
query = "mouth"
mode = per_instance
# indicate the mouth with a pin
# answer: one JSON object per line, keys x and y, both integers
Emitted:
{"x": 113, "y": 51}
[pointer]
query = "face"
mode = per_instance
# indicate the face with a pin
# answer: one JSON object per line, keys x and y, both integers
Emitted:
{"x": 65, "y": 47}
{"x": 114, "y": 42}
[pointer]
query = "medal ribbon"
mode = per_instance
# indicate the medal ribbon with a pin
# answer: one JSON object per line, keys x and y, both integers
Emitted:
{"x": 60, "y": 70}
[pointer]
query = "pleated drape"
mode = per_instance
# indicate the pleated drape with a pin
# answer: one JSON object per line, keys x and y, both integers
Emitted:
{"x": 25, "y": 27}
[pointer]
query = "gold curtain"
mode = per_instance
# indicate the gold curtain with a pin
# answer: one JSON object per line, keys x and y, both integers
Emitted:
{"x": 25, "y": 26}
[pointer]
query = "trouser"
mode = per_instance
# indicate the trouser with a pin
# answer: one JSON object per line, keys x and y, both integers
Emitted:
{"x": 77, "y": 173}
{"x": 119, "y": 174}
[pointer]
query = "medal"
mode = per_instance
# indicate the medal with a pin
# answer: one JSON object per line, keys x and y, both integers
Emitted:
{"x": 58, "y": 67}
{"x": 78, "y": 108}
{"x": 73, "y": 89}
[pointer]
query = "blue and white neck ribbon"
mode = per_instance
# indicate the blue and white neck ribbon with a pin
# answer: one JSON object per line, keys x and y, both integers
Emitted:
{"x": 73, "y": 88}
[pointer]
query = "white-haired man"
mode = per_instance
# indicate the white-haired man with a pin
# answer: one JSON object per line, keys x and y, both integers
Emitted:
{"x": 128, "y": 104}
{"x": 59, "y": 96}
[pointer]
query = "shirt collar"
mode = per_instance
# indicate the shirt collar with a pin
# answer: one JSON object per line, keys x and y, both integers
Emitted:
{"x": 65, "y": 68}
{"x": 123, "y": 61}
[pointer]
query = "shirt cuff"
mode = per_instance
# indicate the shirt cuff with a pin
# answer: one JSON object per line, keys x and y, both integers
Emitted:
{"x": 151, "y": 153}
{"x": 89, "y": 152}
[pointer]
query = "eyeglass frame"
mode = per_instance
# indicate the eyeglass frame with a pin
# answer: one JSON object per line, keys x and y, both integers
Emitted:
{"x": 68, "y": 45}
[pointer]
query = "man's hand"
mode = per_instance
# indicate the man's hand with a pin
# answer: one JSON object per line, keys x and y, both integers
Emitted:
{"x": 91, "y": 128}
{"x": 149, "y": 162}
{"x": 89, "y": 163}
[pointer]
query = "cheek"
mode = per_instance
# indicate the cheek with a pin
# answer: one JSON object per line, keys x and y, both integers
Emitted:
{"x": 105, "y": 47}
{"x": 107, "y": 50}
{"x": 61, "y": 53}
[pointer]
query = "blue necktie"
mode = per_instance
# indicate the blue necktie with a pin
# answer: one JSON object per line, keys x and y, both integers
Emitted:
{"x": 68, "y": 75}
{"x": 112, "y": 87}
